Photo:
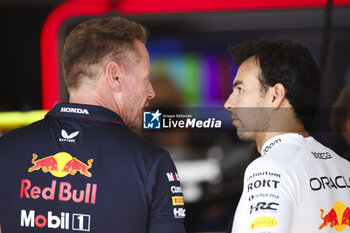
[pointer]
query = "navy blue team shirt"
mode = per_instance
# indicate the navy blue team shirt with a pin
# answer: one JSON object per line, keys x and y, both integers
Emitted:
{"x": 80, "y": 169}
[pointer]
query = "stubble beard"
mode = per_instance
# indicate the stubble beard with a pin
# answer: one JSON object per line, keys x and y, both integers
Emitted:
{"x": 245, "y": 136}
{"x": 134, "y": 120}
{"x": 255, "y": 128}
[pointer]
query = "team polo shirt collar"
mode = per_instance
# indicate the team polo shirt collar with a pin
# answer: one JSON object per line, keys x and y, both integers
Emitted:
{"x": 272, "y": 143}
{"x": 85, "y": 112}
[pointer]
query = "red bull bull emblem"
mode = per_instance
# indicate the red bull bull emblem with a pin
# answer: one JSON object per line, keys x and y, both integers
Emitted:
{"x": 338, "y": 217}
{"x": 61, "y": 164}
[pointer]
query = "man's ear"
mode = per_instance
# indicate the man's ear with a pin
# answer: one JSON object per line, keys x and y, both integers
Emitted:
{"x": 113, "y": 74}
{"x": 278, "y": 95}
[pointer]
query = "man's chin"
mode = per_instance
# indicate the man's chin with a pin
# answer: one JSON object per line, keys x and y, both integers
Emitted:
{"x": 134, "y": 125}
{"x": 245, "y": 136}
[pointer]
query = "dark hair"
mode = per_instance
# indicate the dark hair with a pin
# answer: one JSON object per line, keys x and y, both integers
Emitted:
{"x": 290, "y": 64}
{"x": 94, "y": 40}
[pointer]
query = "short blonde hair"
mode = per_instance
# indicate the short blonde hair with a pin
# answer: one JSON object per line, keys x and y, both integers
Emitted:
{"x": 93, "y": 41}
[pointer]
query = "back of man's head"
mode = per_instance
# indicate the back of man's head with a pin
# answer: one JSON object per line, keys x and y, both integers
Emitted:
{"x": 97, "y": 41}
{"x": 290, "y": 64}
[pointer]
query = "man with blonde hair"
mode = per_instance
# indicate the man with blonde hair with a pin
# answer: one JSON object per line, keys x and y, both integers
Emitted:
{"x": 82, "y": 168}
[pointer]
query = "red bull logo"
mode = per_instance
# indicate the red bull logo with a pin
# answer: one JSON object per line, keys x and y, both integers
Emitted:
{"x": 46, "y": 164}
{"x": 61, "y": 164}
{"x": 338, "y": 217}
{"x": 61, "y": 191}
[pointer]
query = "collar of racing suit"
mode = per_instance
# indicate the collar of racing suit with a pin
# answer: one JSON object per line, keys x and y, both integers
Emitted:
{"x": 273, "y": 142}
{"x": 85, "y": 112}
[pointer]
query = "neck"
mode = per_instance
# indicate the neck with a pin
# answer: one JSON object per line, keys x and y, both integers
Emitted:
{"x": 281, "y": 122}
{"x": 94, "y": 97}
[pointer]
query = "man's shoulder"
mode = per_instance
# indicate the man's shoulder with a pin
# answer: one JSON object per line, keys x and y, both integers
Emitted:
{"x": 278, "y": 160}
{"x": 292, "y": 155}
{"x": 292, "y": 150}
{"x": 141, "y": 143}
{"x": 284, "y": 153}
{"x": 126, "y": 142}
{"x": 21, "y": 133}
{"x": 264, "y": 163}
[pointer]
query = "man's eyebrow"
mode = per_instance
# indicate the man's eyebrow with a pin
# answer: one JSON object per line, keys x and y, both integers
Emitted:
{"x": 236, "y": 83}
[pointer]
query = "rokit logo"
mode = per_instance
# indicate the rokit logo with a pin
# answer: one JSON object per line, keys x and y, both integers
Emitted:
{"x": 75, "y": 110}
{"x": 179, "y": 213}
{"x": 76, "y": 222}
{"x": 263, "y": 184}
{"x": 263, "y": 206}
{"x": 68, "y": 138}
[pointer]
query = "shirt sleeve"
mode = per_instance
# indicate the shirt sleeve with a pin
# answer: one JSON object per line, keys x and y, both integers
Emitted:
{"x": 165, "y": 196}
{"x": 268, "y": 199}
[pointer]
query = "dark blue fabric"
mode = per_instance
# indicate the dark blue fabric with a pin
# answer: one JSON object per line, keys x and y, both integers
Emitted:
{"x": 82, "y": 170}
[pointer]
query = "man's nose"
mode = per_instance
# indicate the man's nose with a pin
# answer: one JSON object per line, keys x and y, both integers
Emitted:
{"x": 151, "y": 92}
{"x": 229, "y": 104}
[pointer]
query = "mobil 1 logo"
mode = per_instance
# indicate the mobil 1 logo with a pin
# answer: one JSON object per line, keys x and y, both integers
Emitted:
{"x": 51, "y": 220}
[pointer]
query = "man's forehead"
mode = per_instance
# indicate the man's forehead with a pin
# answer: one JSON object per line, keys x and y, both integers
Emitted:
{"x": 250, "y": 64}
{"x": 247, "y": 71}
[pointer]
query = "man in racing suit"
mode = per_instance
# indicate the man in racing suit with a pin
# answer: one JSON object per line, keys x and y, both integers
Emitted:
{"x": 297, "y": 185}
{"x": 81, "y": 169}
